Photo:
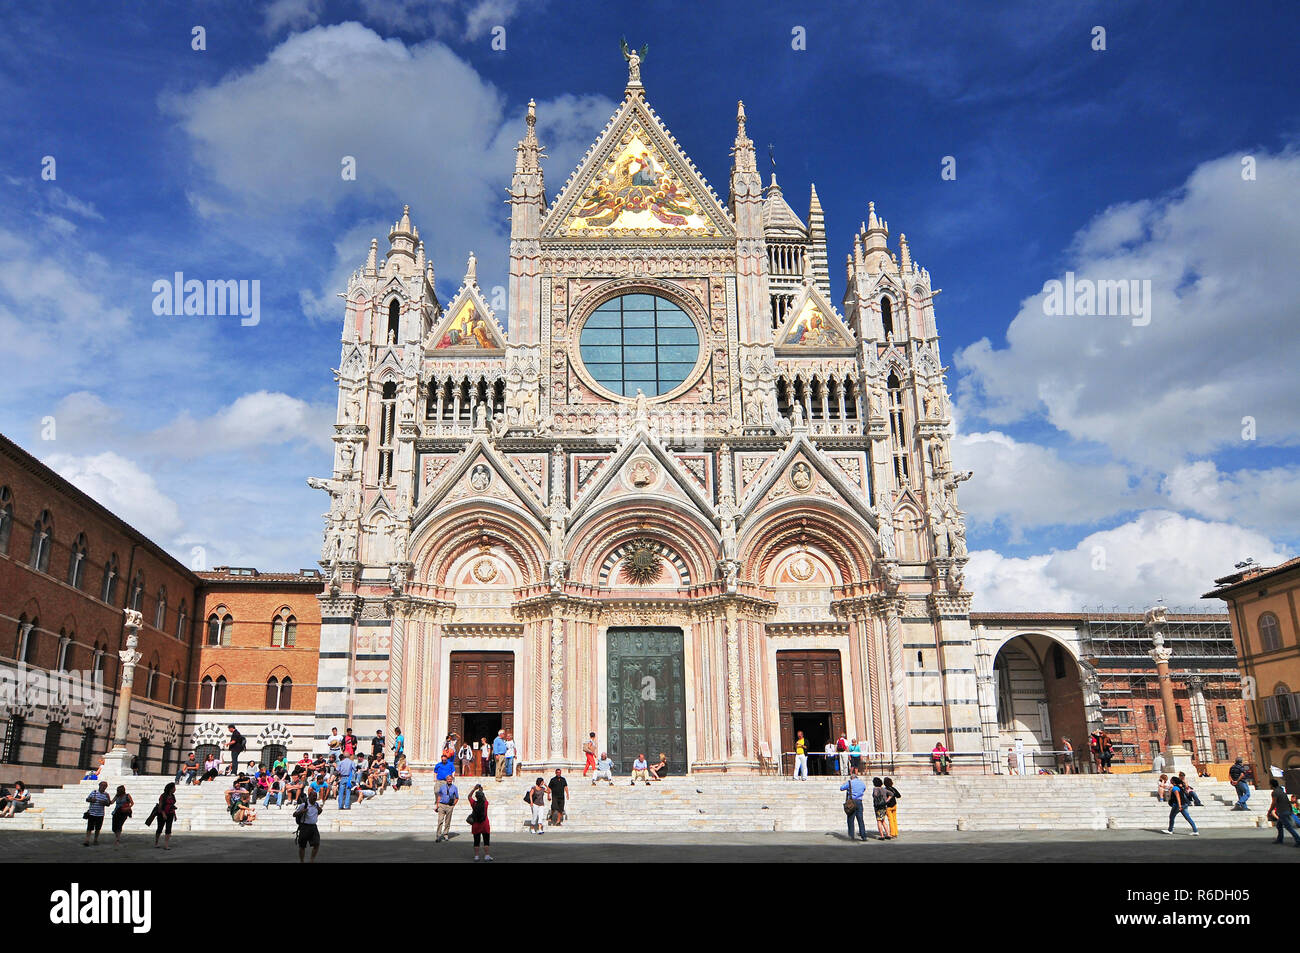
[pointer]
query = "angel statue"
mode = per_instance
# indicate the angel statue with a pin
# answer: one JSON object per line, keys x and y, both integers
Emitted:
{"x": 633, "y": 62}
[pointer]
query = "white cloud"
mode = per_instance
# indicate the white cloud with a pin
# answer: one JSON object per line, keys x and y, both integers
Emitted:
{"x": 260, "y": 419}
{"x": 291, "y": 14}
{"x": 1024, "y": 485}
{"x": 1220, "y": 253}
{"x": 121, "y": 486}
{"x": 1264, "y": 499}
{"x": 1159, "y": 555}
{"x": 424, "y": 127}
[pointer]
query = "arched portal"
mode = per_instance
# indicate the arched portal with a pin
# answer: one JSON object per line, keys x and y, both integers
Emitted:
{"x": 1039, "y": 701}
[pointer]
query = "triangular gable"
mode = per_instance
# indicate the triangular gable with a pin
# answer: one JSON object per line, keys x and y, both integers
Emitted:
{"x": 812, "y": 325}
{"x": 460, "y": 481}
{"x": 801, "y": 449}
{"x": 673, "y": 473}
{"x": 635, "y": 181}
{"x": 468, "y": 325}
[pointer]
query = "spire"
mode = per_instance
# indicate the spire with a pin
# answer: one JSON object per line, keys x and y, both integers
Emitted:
{"x": 817, "y": 239}
{"x": 742, "y": 151}
{"x": 419, "y": 256}
{"x": 875, "y": 244}
{"x": 402, "y": 236}
{"x": 529, "y": 153}
{"x": 905, "y": 252}
{"x": 372, "y": 266}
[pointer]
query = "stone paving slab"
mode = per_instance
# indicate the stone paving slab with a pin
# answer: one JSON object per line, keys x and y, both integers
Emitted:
{"x": 560, "y": 846}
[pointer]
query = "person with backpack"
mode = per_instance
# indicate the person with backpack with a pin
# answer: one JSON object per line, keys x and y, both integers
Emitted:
{"x": 1178, "y": 805}
{"x": 589, "y": 749}
{"x": 95, "y": 814}
{"x": 1237, "y": 775}
{"x": 880, "y": 802}
{"x": 856, "y": 790}
{"x": 478, "y": 822}
{"x": 164, "y": 812}
{"x": 842, "y": 752}
{"x": 307, "y": 816}
{"x": 891, "y": 806}
{"x": 535, "y": 797}
{"x": 1281, "y": 812}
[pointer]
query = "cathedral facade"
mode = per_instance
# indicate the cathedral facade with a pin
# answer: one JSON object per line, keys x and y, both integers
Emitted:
{"x": 675, "y": 496}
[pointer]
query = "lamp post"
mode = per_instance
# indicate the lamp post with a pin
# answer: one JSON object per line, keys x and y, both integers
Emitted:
{"x": 117, "y": 762}
{"x": 1177, "y": 757}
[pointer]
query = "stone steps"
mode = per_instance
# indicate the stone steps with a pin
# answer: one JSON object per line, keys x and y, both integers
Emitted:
{"x": 704, "y": 803}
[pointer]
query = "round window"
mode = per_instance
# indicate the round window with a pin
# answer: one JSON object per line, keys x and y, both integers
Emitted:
{"x": 639, "y": 342}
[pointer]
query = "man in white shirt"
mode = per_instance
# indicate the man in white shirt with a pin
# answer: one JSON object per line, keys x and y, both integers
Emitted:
{"x": 334, "y": 743}
{"x": 604, "y": 770}
{"x": 639, "y": 770}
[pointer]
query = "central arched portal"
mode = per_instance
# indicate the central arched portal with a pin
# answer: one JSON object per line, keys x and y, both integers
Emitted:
{"x": 646, "y": 696}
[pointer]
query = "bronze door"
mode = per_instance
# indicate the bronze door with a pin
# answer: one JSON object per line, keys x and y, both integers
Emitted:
{"x": 646, "y": 697}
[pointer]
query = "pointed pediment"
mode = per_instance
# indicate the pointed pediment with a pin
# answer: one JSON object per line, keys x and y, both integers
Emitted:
{"x": 636, "y": 182}
{"x": 812, "y": 325}
{"x": 482, "y": 476}
{"x": 643, "y": 468}
{"x": 804, "y": 471}
{"x": 468, "y": 325}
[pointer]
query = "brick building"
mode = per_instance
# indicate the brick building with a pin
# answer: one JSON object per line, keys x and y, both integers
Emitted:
{"x": 257, "y": 658}
{"x": 1062, "y": 674}
{"x": 1262, "y": 603}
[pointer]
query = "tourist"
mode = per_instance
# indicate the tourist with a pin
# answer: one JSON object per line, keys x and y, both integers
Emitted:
{"x": 378, "y": 744}
{"x": 122, "y": 804}
{"x": 478, "y": 822}
{"x": 345, "y": 769}
{"x": 939, "y": 758}
{"x": 589, "y": 749}
{"x": 640, "y": 770}
{"x": 829, "y": 759}
{"x": 95, "y": 815}
{"x": 536, "y": 798}
{"x": 1162, "y": 787}
{"x": 17, "y": 801}
{"x": 445, "y": 768}
{"x": 1282, "y": 813}
{"x": 659, "y": 770}
{"x": 349, "y": 743}
{"x": 211, "y": 765}
{"x": 511, "y": 755}
{"x": 485, "y": 755}
{"x": 891, "y": 806}
{"x": 880, "y": 802}
{"x": 499, "y": 748}
{"x": 800, "y": 757}
{"x": 1190, "y": 791}
{"x": 334, "y": 743}
{"x": 559, "y": 790}
{"x": 1067, "y": 756}
{"x": 189, "y": 770}
{"x": 1178, "y": 805}
{"x": 399, "y": 744}
{"x": 842, "y": 752}
{"x": 403, "y": 774}
{"x": 857, "y": 789}
{"x": 1237, "y": 775}
{"x": 604, "y": 770}
{"x": 164, "y": 812}
{"x": 1011, "y": 761}
{"x": 855, "y": 754}
{"x": 1094, "y": 749}
{"x": 236, "y": 745}
{"x": 447, "y": 796}
{"x": 466, "y": 757}
{"x": 1107, "y": 752}
{"x": 307, "y": 817}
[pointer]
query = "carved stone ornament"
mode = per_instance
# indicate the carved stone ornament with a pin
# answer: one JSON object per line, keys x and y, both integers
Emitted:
{"x": 480, "y": 477}
{"x": 801, "y": 476}
{"x": 642, "y": 563}
{"x": 485, "y": 570}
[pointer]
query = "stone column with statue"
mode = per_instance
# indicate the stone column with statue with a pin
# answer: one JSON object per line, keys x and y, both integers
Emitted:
{"x": 117, "y": 762}
{"x": 1177, "y": 757}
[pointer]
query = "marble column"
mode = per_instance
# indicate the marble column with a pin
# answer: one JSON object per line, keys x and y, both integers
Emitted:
{"x": 117, "y": 762}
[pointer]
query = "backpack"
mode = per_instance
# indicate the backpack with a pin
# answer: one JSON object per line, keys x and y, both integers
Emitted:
{"x": 878, "y": 797}
{"x": 1172, "y": 799}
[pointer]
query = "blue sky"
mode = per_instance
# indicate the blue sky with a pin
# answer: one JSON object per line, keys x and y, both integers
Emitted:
{"x": 1110, "y": 461}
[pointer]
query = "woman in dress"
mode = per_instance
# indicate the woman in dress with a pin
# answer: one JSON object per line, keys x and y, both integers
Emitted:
{"x": 659, "y": 770}
{"x": 478, "y": 822}
{"x": 166, "y": 813}
{"x": 122, "y": 805}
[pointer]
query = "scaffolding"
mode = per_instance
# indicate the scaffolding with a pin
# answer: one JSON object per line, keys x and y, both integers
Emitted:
{"x": 1116, "y": 644}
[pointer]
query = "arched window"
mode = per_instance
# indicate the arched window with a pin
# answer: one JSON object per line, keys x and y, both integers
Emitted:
{"x": 387, "y": 426}
{"x": 171, "y": 688}
{"x": 137, "y": 591}
{"x": 273, "y": 693}
{"x": 50, "y": 753}
{"x": 1058, "y": 661}
{"x": 1270, "y": 634}
{"x": 160, "y": 613}
{"x": 1286, "y": 710}
{"x": 6, "y": 518}
{"x": 181, "y": 621}
{"x": 108, "y": 591}
{"x": 219, "y": 628}
{"x": 898, "y": 430}
{"x": 887, "y": 316}
{"x": 284, "y": 629}
{"x": 42, "y": 541}
{"x": 212, "y": 694}
{"x": 394, "y": 321}
{"x": 77, "y": 562}
{"x": 286, "y": 693}
{"x": 151, "y": 682}
{"x": 25, "y": 645}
